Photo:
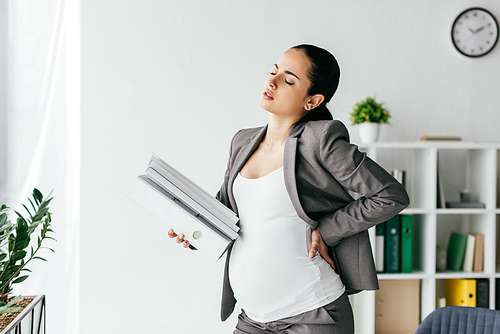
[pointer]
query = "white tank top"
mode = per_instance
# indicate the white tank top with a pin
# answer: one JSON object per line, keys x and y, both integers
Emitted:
{"x": 270, "y": 273}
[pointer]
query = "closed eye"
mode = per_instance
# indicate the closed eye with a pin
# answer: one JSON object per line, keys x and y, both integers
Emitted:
{"x": 287, "y": 82}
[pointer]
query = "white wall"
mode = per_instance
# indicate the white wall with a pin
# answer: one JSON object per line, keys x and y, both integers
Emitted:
{"x": 179, "y": 78}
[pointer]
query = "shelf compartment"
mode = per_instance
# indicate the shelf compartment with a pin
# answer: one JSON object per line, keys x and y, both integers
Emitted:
{"x": 467, "y": 223}
{"x": 440, "y": 288}
{"x": 471, "y": 169}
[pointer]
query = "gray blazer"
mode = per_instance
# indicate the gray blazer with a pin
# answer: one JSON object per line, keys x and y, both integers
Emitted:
{"x": 320, "y": 165}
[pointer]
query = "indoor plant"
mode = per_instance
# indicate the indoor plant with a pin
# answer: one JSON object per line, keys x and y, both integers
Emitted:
{"x": 369, "y": 114}
{"x": 15, "y": 239}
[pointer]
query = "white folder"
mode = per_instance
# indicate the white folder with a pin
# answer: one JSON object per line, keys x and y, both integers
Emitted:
{"x": 185, "y": 207}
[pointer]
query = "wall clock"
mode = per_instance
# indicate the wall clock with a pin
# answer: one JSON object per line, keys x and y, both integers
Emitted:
{"x": 474, "y": 32}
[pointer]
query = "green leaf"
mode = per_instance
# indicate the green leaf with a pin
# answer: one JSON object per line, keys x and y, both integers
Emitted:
{"x": 12, "y": 241}
{"x": 4, "y": 310}
{"x": 37, "y": 195}
{"x": 5, "y": 226}
{"x": 33, "y": 226}
{"x": 3, "y": 256}
{"x": 22, "y": 225}
{"x": 13, "y": 301}
{"x": 21, "y": 245}
{"x": 20, "y": 279}
{"x": 39, "y": 258}
{"x": 18, "y": 256}
{"x": 3, "y": 218}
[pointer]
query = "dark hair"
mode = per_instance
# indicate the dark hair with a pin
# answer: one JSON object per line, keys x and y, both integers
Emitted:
{"x": 324, "y": 75}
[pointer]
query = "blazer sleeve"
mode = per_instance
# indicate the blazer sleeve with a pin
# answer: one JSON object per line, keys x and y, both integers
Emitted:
{"x": 382, "y": 196}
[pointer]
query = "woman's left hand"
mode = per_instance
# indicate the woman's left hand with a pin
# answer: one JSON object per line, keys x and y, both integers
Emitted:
{"x": 318, "y": 245}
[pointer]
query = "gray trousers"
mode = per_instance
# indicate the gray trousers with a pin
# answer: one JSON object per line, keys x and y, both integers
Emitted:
{"x": 334, "y": 318}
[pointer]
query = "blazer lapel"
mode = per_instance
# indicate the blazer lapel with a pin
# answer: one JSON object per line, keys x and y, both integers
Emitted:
{"x": 239, "y": 161}
{"x": 289, "y": 160}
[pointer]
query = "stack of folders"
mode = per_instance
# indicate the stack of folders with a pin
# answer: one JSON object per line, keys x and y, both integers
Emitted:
{"x": 185, "y": 207}
{"x": 465, "y": 252}
{"x": 394, "y": 245}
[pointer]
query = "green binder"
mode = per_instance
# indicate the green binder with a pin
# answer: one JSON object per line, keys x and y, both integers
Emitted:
{"x": 406, "y": 243}
{"x": 456, "y": 251}
{"x": 393, "y": 245}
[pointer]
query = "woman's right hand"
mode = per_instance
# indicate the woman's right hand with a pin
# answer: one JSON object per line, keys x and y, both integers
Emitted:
{"x": 180, "y": 239}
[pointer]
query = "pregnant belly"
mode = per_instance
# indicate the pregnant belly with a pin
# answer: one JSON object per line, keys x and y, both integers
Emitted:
{"x": 261, "y": 278}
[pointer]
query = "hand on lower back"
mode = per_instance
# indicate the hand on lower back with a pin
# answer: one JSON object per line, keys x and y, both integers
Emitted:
{"x": 318, "y": 245}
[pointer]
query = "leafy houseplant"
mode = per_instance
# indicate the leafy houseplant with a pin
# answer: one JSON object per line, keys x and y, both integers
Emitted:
{"x": 369, "y": 114}
{"x": 369, "y": 110}
{"x": 14, "y": 242}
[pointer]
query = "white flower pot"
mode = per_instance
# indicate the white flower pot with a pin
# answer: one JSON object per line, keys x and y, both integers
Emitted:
{"x": 369, "y": 132}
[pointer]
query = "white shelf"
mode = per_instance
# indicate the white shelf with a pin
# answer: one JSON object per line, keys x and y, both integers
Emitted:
{"x": 464, "y": 165}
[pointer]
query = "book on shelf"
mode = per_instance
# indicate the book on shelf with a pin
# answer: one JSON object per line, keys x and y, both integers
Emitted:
{"x": 460, "y": 292}
{"x": 455, "y": 252}
{"x": 440, "y": 199}
{"x": 469, "y": 253}
{"x": 465, "y": 205}
{"x": 478, "y": 252}
{"x": 447, "y": 138}
{"x": 393, "y": 245}
{"x": 397, "y": 306}
{"x": 497, "y": 294}
{"x": 182, "y": 205}
{"x": 400, "y": 176}
{"x": 440, "y": 301}
{"x": 379, "y": 247}
{"x": 483, "y": 292}
{"x": 406, "y": 243}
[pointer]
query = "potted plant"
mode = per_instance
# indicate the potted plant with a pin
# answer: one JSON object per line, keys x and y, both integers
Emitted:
{"x": 15, "y": 241}
{"x": 369, "y": 114}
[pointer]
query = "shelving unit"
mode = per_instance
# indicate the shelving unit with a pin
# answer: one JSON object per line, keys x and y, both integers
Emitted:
{"x": 462, "y": 165}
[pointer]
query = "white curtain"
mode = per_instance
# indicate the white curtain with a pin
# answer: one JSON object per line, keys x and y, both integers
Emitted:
{"x": 40, "y": 140}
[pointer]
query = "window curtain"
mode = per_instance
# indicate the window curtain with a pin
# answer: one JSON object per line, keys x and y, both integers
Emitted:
{"x": 39, "y": 126}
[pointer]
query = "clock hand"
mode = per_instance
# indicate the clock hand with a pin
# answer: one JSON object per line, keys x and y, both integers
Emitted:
{"x": 482, "y": 28}
{"x": 471, "y": 30}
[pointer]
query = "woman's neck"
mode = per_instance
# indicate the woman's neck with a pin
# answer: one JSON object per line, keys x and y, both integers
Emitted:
{"x": 277, "y": 131}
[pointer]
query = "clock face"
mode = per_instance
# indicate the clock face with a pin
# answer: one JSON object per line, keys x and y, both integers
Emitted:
{"x": 475, "y": 32}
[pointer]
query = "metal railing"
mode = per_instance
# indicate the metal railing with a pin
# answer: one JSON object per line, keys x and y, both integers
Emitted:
{"x": 30, "y": 319}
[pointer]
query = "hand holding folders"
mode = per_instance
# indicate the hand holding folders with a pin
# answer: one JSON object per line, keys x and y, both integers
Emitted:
{"x": 188, "y": 209}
